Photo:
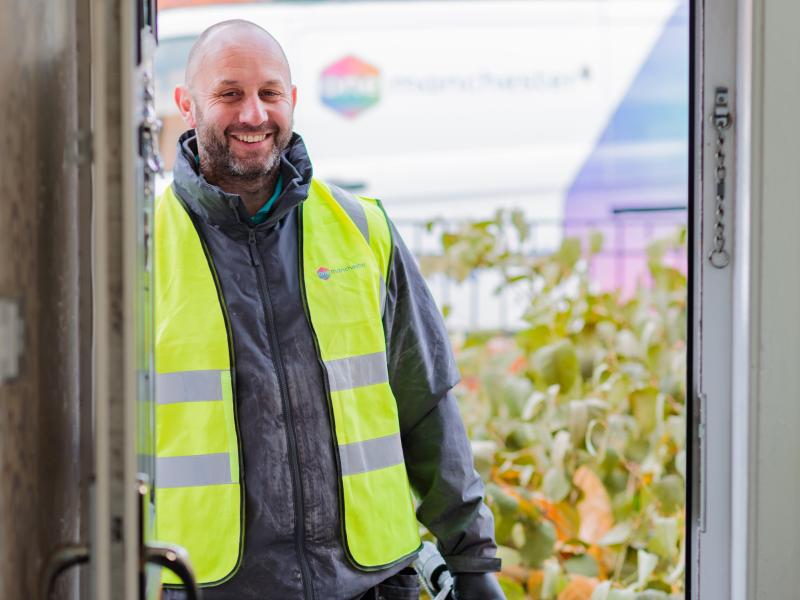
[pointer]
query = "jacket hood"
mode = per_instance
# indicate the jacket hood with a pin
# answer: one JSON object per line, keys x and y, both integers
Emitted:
{"x": 219, "y": 208}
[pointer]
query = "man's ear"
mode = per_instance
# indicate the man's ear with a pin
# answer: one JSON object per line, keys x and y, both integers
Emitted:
{"x": 183, "y": 100}
{"x": 294, "y": 96}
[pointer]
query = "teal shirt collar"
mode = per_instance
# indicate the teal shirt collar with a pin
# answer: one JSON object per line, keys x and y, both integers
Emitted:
{"x": 261, "y": 215}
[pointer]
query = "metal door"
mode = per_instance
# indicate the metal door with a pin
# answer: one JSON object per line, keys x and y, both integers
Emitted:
{"x": 125, "y": 560}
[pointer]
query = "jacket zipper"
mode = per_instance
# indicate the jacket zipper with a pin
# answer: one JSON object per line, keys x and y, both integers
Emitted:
{"x": 291, "y": 441}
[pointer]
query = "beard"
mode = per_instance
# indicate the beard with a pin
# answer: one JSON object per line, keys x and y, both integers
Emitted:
{"x": 220, "y": 163}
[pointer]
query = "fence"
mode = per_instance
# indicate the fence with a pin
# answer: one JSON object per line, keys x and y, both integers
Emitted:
{"x": 621, "y": 264}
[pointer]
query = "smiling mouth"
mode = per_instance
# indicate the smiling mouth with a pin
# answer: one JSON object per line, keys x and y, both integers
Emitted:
{"x": 250, "y": 138}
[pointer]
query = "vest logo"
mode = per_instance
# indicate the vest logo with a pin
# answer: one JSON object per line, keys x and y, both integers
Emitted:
{"x": 325, "y": 273}
{"x": 350, "y": 86}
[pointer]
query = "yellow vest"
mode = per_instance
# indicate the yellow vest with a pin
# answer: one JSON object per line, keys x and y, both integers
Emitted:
{"x": 346, "y": 245}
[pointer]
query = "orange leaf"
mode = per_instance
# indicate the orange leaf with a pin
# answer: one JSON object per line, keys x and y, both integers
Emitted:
{"x": 580, "y": 588}
{"x": 604, "y": 557}
{"x": 511, "y": 475}
{"x": 595, "y": 507}
{"x": 558, "y": 515}
{"x": 535, "y": 581}
{"x": 518, "y": 365}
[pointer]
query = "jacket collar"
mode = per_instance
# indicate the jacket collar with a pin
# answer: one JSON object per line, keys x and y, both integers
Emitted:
{"x": 216, "y": 207}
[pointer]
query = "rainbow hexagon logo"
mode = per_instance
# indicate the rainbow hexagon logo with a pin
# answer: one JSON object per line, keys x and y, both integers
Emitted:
{"x": 350, "y": 86}
{"x": 324, "y": 273}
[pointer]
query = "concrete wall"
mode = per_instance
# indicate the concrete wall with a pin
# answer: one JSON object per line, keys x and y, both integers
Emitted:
{"x": 43, "y": 263}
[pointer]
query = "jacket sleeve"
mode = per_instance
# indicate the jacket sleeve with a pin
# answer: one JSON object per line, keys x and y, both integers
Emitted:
{"x": 438, "y": 455}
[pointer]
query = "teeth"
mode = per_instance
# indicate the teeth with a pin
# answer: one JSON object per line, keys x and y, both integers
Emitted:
{"x": 251, "y": 138}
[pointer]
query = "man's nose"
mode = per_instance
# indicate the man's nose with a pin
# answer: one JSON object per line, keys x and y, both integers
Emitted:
{"x": 253, "y": 112}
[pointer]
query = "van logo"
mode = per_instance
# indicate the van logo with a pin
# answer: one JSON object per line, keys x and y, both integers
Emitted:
{"x": 325, "y": 273}
{"x": 350, "y": 86}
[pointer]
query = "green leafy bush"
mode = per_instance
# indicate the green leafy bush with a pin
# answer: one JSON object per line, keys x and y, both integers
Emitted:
{"x": 578, "y": 419}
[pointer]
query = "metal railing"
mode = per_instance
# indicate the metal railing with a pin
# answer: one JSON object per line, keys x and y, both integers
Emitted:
{"x": 620, "y": 265}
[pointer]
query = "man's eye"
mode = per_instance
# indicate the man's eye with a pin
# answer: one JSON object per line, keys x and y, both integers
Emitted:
{"x": 231, "y": 94}
{"x": 270, "y": 93}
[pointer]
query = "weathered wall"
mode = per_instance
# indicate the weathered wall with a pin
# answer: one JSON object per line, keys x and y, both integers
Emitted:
{"x": 41, "y": 253}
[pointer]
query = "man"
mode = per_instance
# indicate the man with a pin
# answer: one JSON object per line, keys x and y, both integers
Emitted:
{"x": 303, "y": 371}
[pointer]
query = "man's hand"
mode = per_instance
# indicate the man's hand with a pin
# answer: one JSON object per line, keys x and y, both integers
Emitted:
{"x": 477, "y": 586}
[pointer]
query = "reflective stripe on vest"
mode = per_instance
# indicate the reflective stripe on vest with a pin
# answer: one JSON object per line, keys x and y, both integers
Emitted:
{"x": 346, "y": 250}
{"x": 198, "y": 496}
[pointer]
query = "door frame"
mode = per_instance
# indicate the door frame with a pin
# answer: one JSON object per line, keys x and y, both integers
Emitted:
{"x": 711, "y": 333}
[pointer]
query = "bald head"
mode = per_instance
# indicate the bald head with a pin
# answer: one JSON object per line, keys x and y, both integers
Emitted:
{"x": 224, "y": 35}
{"x": 240, "y": 100}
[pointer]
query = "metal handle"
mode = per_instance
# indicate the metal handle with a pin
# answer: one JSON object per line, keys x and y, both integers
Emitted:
{"x": 59, "y": 561}
{"x": 176, "y": 559}
{"x": 169, "y": 556}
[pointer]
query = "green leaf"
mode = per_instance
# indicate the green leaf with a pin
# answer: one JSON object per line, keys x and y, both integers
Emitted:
{"x": 562, "y": 444}
{"x": 556, "y": 486}
{"x": 515, "y": 391}
{"x": 680, "y": 463}
{"x": 553, "y": 579}
{"x": 643, "y": 404}
{"x": 483, "y": 452}
{"x": 656, "y": 251}
{"x": 664, "y": 536}
{"x": 652, "y": 595}
{"x": 557, "y": 364}
{"x": 618, "y": 534}
{"x": 513, "y": 590}
{"x": 540, "y": 541}
{"x": 534, "y": 406}
{"x": 508, "y": 556}
{"x": 570, "y": 252}
{"x": 660, "y": 586}
{"x": 578, "y": 420}
{"x": 602, "y": 590}
{"x": 520, "y": 437}
{"x": 595, "y": 242}
{"x": 518, "y": 535}
{"x": 670, "y": 493}
{"x": 637, "y": 450}
{"x": 520, "y": 224}
{"x": 505, "y": 503}
{"x": 583, "y": 564}
{"x": 646, "y": 564}
{"x": 627, "y": 344}
{"x": 533, "y": 338}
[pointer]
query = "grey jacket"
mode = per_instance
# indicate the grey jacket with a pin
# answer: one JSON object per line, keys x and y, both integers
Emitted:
{"x": 293, "y": 541}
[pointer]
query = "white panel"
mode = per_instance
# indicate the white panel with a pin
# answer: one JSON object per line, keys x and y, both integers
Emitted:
{"x": 774, "y": 480}
{"x": 711, "y": 538}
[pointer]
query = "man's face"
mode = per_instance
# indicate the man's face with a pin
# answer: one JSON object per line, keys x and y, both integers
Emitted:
{"x": 241, "y": 102}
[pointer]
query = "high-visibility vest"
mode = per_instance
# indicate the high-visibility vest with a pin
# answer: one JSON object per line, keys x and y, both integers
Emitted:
{"x": 346, "y": 246}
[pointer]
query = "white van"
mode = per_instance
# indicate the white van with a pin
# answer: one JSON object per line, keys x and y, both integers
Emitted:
{"x": 446, "y": 108}
{"x": 575, "y": 111}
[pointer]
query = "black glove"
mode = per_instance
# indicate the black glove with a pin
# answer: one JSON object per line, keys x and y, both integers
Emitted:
{"x": 477, "y": 586}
